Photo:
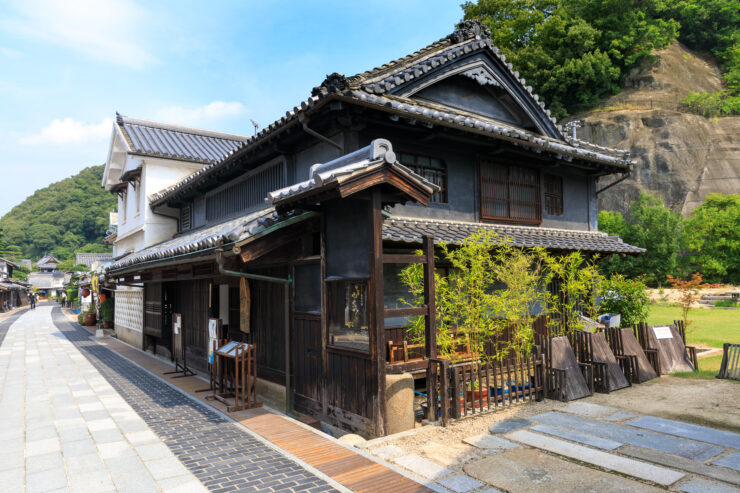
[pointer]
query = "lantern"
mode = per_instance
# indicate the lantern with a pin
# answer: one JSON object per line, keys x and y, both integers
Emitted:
{"x": 85, "y": 293}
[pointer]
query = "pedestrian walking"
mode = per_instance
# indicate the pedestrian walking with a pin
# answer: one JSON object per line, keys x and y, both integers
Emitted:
{"x": 64, "y": 300}
{"x": 33, "y": 301}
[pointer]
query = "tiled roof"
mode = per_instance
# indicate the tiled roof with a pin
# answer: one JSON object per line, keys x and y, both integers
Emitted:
{"x": 175, "y": 142}
{"x": 202, "y": 241}
{"x": 90, "y": 258}
{"x": 411, "y": 230}
{"x": 378, "y": 153}
{"x": 371, "y": 89}
{"x": 47, "y": 259}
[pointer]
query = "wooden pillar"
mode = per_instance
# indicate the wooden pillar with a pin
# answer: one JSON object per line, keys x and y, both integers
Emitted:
{"x": 430, "y": 326}
{"x": 377, "y": 309}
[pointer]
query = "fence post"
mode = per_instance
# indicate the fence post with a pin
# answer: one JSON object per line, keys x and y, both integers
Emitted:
{"x": 445, "y": 392}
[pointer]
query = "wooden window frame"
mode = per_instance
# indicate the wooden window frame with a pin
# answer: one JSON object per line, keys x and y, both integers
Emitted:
{"x": 553, "y": 196}
{"x": 508, "y": 165}
{"x": 442, "y": 194}
{"x": 188, "y": 208}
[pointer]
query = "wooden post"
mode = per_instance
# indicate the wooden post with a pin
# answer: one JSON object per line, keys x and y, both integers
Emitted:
{"x": 430, "y": 326}
{"x": 377, "y": 308}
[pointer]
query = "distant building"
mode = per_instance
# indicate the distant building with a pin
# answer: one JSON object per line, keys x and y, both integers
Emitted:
{"x": 48, "y": 263}
{"x": 93, "y": 260}
{"x": 6, "y": 269}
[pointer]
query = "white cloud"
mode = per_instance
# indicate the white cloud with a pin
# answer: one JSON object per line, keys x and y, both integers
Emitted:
{"x": 70, "y": 131}
{"x": 10, "y": 52}
{"x": 112, "y": 32}
{"x": 214, "y": 111}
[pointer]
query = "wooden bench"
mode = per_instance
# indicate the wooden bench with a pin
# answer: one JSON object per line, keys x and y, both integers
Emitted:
{"x": 730, "y": 366}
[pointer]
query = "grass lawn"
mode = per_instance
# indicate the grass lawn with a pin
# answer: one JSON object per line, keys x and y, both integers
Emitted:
{"x": 710, "y": 327}
{"x": 708, "y": 369}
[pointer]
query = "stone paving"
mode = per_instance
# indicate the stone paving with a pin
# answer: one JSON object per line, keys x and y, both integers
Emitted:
{"x": 74, "y": 416}
{"x": 587, "y": 447}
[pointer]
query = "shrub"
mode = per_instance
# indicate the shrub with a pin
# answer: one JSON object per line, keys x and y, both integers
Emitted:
{"x": 628, "y": 297}
{"x": 106, "y": 310}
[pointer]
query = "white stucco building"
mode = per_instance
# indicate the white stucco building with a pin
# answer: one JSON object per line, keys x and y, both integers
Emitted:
{"x": 144, "y": 158}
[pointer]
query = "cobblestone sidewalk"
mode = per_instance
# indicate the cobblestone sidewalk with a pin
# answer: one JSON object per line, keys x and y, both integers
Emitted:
{"x": 75, "y": 416}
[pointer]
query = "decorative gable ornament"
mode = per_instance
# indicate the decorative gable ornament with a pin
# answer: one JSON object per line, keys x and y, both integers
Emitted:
{"x": 470, "y": 29}
{"x": 335, "y": 82}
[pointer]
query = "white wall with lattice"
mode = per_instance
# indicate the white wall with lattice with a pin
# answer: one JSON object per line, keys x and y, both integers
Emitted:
{"x": 129, "y": 309}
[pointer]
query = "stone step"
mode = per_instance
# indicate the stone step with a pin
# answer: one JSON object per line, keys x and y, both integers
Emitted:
{"x": 688, "y": 465}
{"x": 632, "y": 436}
{"x": 698, "y": 485}
{"x": 577, "y": 436}
{"x": 686, "y": 430}
{"x": 717, "y": 297}
{"x": 623, "y": 465}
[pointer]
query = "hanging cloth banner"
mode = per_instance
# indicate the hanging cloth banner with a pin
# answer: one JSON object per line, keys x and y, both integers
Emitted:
{"x": 245, "y": 304}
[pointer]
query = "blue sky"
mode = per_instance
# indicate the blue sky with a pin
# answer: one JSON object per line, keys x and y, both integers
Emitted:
{"x": 68, "y": 66}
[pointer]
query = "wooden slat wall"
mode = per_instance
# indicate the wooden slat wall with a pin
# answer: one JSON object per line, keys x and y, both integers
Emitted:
{"x": 350, "y": 383}
{"x": 191, "y": 301}
{"x": 307, "y": 367}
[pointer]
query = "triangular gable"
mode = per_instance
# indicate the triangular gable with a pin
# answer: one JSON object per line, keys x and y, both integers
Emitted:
{"x": 442, "y": 74}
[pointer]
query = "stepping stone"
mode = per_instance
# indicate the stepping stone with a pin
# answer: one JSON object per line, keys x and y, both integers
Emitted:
{"x": 534, "y": 471}
{"x": 625, "y": 434}
{"x": 620, "y": 416}
{"x": 576, "y": 436}
{"x": 423, "y": 467}
{"x": 703, "y": 486}
{"x": 460, "y": 483}
{"x": 507, "y": 425}
{"x": 489, "y": 442}
{"x": 732, "y": 461}
{"x": 688, "y": 465}
{"x": 630, "y": 467}
{"x": 589, "y": 410}
{"x": 388, "y": 452}
{"x": 686, "y": 430}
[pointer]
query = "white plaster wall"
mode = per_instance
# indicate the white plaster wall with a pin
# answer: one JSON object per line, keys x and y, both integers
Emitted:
{"x": 139, "y": 227}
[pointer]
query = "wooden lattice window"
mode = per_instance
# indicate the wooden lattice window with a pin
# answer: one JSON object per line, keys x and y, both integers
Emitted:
{"x": 553, "y": 195}
{"x": 509, "y": 193}
{"x": 186, "y": 218}
{"x": 431, "y": 169}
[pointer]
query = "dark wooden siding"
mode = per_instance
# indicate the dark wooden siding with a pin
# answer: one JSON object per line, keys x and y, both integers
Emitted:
{"x": 246, "y": 194}
{"x": 307, "y": 349}
{"x": 153, "y": 309}
{"x": 191, "y": 300}
{"x": 350, "y": 383}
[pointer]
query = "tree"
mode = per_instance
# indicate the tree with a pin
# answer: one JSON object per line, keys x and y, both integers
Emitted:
{"x": 628, "y": 297}
{"x": 574, "y": 52}
{"x": 688, "y": 293}
{"x": 649, "y": 225}
{"x": 62, "y": 218}
{"x": 713, "y": 239}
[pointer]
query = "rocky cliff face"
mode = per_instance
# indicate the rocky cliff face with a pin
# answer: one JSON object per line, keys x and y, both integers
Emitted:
{"x": 680, "y": 157}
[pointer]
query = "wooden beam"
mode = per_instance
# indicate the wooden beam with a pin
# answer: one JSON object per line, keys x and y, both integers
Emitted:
{"x": 406, "y": 312}
{"x": 401, "y": 258}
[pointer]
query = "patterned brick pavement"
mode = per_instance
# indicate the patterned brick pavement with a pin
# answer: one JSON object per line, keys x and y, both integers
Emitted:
{"x": 221, "y": 455}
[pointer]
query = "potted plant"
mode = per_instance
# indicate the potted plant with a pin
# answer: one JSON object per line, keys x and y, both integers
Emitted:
{"x": 106, "y": 313}
{"x": 89, "y": 318}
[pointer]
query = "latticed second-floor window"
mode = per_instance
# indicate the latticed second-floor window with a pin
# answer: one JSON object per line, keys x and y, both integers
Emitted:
{"x": 509, "y": 193}
{"x": 432, "y": 169}
{"x": 553, "y": 195}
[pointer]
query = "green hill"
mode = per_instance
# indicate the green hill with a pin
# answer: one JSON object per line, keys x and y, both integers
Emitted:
{"x": 64, "y": 218}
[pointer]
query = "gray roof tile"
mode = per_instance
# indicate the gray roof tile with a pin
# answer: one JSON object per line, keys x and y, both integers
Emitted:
{"x": 411, "y": 230}
{"x": 175, "y": 142}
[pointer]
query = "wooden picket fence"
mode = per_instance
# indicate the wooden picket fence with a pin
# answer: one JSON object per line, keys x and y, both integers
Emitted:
{"x": 455, "y": 391}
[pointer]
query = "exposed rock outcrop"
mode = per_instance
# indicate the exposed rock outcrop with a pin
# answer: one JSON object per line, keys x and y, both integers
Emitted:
{"x": 680, "y": 157}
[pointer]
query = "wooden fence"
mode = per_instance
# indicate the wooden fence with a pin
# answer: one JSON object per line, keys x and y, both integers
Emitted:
{"x": 455, "y": 391}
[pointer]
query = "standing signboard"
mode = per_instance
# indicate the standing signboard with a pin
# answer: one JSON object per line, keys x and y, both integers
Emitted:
{"x": 178, "y": 347}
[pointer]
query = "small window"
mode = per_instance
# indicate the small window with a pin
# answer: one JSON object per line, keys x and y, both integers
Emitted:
{"x": 431, "y": 169}
{"x": 122, "y": 209}
{"x": 553, "y": 195}
{"x": 185, "y": 222}
{"x": 348, "y": 327}
{"x": 307, "y": 288}
{"x": 509, "y": 192}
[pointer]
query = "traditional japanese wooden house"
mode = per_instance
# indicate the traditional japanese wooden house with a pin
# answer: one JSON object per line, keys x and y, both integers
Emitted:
{"x": 319, "y": 211}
